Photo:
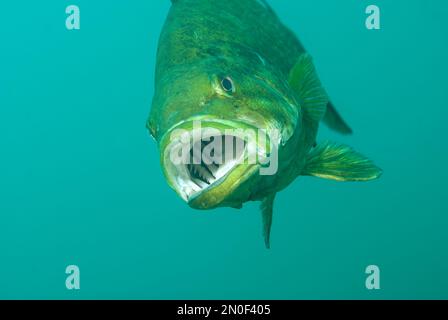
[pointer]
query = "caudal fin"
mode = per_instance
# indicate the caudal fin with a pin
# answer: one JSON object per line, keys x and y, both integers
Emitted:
{"x": 335, "y": 122}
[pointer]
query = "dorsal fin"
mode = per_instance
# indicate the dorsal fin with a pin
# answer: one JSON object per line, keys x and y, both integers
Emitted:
{"x": 305, "y": 82}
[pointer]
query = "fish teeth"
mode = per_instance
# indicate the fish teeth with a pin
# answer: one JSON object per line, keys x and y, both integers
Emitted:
{"x": 204, "y": 174}
{"x": 213, "y": 168}
{"x": 201, "y": 175}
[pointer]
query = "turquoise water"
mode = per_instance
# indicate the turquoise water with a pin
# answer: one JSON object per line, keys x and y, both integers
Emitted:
{"x": 80, "y": 181}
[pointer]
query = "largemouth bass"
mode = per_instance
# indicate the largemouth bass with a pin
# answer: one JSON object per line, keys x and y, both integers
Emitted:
{"x": 232, "y": 65}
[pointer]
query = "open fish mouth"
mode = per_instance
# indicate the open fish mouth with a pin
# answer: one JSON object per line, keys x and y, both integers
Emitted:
{"x": 207, "y": 169}
{"x": 208, "y": 162}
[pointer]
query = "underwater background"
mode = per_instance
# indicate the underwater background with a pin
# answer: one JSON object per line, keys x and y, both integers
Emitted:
{"x": 81, "y": 184}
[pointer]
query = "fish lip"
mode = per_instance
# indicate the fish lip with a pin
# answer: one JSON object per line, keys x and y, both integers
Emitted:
{"x": 193, "y": 199}
{"x": 231, "y": 124}
{"x": 195, "y": 202}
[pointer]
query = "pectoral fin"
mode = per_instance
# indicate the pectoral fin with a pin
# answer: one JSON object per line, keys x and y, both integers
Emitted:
{"x": 304, "y": 80}
{"x": 267, "y": 206}
{"x": 340, "y": 162}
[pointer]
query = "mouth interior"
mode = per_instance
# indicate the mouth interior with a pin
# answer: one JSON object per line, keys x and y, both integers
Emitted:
{"x": 211, "y": 166}
{"x": 210, "y": 161}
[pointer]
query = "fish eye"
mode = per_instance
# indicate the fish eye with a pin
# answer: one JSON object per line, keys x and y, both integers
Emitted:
{"x": 227, "y": 85}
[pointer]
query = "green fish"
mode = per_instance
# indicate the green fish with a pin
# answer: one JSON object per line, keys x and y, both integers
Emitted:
{"x": 233, "y": 65}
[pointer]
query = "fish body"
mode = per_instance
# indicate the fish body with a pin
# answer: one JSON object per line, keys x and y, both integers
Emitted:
{"x": 232, "y": 65}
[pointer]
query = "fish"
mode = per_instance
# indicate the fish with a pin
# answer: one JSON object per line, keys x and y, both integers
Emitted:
{"x": 233, "y": 65}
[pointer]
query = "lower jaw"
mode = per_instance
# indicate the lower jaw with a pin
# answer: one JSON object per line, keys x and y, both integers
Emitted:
{"x": 231, "y": 192}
